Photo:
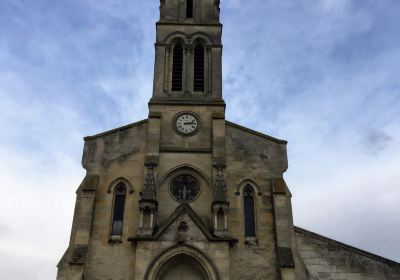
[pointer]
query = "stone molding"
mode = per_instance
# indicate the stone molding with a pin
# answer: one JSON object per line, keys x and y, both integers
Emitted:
{"x": 183, "y": 208}
{"x": 185, "y": 150}
{"x": 89, "y": 183}
{"x": 120, "y": 180}
{"x": 188, "y": 39}
{"x": 184, "y": 168}
{"x": 250, "y": 182}
{"x": 182, "y": 249}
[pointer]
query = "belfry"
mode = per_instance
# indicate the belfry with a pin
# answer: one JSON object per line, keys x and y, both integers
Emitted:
{"x": 186, "y": 194}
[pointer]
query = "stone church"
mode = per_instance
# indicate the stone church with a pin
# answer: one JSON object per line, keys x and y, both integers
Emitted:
{"x": 186, "y": 194}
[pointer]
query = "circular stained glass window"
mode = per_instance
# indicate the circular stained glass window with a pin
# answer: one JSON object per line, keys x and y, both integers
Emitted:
{"x": 184, "y": 188}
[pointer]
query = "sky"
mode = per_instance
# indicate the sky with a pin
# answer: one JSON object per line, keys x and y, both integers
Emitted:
{"x": 322, "y": 74}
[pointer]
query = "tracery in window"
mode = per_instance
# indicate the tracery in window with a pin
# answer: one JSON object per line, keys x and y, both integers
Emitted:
{"x": 198, "y": 73}
{"x": 177, "y": 68}
{"x": 118, "y": 213}
{"x": 189, "y": 8}
{"x": 184, "y": 188}
{"x": 248, "y": 202}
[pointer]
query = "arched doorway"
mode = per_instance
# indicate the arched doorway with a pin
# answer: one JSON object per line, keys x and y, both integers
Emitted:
{"x": 182, "y": 262}
{"x": 182, "y": 267}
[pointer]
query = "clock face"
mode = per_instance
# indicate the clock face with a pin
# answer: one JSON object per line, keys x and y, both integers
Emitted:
{"x": 186, "y": 123}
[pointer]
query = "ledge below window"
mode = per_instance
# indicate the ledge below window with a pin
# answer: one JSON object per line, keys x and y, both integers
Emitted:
{"x": 251, "y": 240}
{"x": 115, "y": 239}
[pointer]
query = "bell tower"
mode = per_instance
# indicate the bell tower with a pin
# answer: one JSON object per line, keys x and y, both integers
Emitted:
{"x": 188, "y": 52}
{"x": 186, "y": 124}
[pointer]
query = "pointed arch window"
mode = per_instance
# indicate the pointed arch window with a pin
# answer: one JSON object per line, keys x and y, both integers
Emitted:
{"x": 118, "y": 211}
{"x": 189, "y": 8}
{"x": 198, "y": 73}
{"x": 177, "y": 68}
{"x": 249, "y": 219}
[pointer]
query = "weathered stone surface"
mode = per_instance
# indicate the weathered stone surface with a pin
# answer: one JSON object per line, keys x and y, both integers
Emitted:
{"x": 325, "y": 258}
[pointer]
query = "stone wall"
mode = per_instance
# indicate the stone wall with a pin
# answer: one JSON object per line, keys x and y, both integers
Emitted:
{"x": 253, "y": 159}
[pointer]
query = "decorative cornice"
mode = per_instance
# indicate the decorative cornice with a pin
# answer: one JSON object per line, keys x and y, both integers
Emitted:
{"x": 189, "y": 101}
{"x": 164, "y": 22}
{"x": 185, "y": 150}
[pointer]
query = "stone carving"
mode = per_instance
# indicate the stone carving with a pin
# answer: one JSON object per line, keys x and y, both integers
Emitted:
{"x": 220, "y": 185}
{"x": 149, "y": 188}
{"x": 184, "y": 188}
{"x": 182, "y": 232}
{"x": 220, "y": 205}
{"x": 148, "y": 204}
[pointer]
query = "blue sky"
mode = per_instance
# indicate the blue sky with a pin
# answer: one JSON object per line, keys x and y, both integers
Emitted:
{"x": 322, "y": 74}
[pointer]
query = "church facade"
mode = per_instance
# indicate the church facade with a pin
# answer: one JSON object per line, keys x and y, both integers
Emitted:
{"x": 186, "y": 194}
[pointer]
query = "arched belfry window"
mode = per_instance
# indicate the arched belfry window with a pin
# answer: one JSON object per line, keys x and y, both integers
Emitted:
{"x": 189, "y": 8}
{"x": 177, "y": 68}
{"x": 118, "y": 211}
{"x": 198, "y": 71}
{"x": 249, "y": 219}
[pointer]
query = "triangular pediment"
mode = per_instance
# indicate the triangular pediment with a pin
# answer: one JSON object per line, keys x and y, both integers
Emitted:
{"x": 181, "y": 226}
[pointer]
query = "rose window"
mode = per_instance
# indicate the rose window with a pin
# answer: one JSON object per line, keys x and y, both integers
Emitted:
{"x": 184, "y": 188}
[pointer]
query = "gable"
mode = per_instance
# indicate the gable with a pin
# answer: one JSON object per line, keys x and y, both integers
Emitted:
{"x": 249, "y": 151}
{"x": 115, "y": 145}
{"x": 255, "y": 133}
{"x": 183, "y": 225}
{"x": 183, "y": 229}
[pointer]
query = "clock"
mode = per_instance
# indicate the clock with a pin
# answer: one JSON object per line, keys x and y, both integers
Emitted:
{"x": 186, "y": 123}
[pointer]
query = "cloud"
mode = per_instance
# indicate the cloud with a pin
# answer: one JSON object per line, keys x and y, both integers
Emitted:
{"x": 324, "y": 77}
{"x": 321, "y": 74}
{"x": 376, "y": 140}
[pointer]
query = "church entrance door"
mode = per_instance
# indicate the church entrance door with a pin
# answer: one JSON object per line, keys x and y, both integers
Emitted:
{"x": 182, "y": 267}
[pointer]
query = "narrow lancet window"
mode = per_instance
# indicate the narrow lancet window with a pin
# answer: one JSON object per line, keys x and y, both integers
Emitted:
{"x": 118, "y": 213}
{"x": 177, "y": 68}
{"x": 189, "y": 8}
{"x": 248, "y": 197}
{"x": 198, "y": 82}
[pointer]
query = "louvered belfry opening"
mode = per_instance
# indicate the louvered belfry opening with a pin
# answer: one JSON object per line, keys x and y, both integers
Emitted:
{"x": 198, "y": 82}
{"x": 177, "y": 68}
{"x": 189, "y": 8}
